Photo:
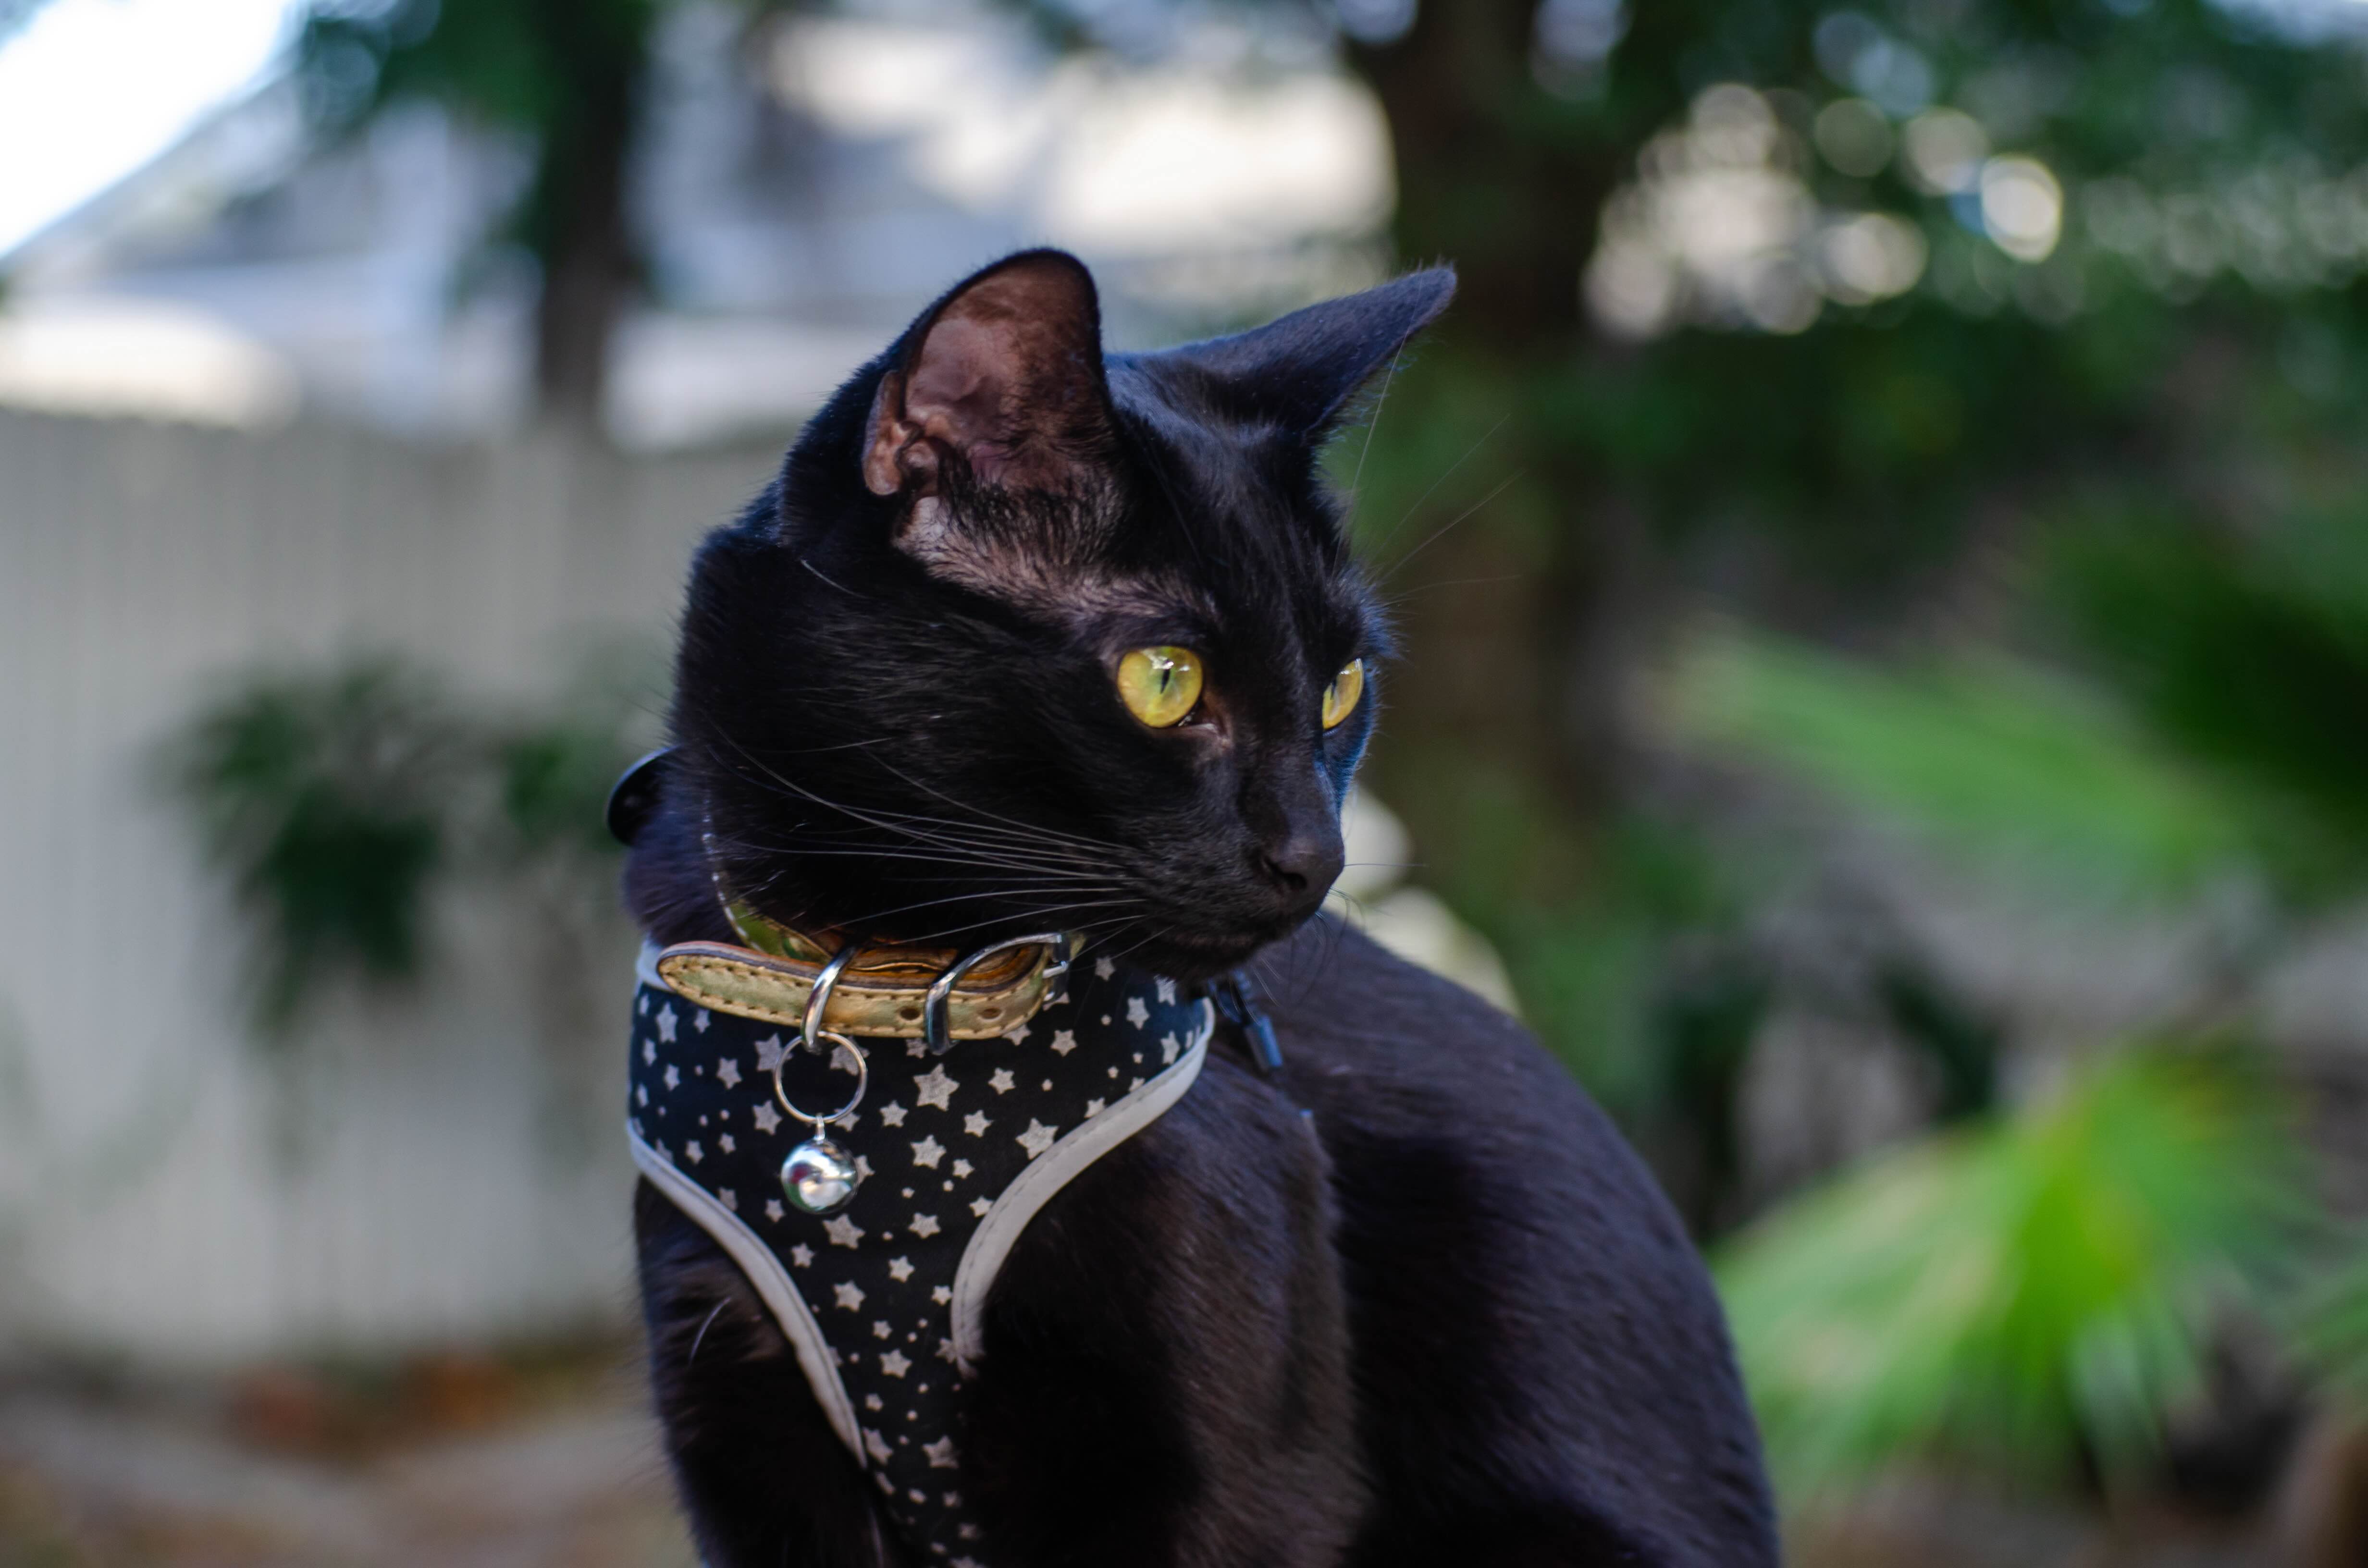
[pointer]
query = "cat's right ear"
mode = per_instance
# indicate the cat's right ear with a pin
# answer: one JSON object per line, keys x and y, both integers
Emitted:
{"x": 1004, "y": 374}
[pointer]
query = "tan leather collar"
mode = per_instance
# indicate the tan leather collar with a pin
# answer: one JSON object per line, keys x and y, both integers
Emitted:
{"x": 880, "y": 991}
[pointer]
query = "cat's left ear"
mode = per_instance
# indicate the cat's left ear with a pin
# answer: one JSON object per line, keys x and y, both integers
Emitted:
{"x": 1005, "y": 372}
{"x": 1299, "y": 372}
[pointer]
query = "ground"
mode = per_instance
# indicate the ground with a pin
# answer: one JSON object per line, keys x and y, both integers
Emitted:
{"x": 547, "y": 1461}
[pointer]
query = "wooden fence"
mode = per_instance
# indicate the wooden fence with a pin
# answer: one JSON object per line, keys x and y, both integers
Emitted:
{"x": 424, "y": 1172}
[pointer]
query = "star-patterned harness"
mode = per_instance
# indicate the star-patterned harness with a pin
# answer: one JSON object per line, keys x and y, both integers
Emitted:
{"x": 882, "y": 1298}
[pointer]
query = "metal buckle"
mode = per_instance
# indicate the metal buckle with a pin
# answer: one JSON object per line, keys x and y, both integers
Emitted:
{"x": 936, "y": 1027}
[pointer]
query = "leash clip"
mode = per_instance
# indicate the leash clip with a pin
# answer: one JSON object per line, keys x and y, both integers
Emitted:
{"x": 1231, "y": 996}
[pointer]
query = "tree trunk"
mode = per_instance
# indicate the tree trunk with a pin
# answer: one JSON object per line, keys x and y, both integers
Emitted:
{"x": 575, "y": 214}
{"x": 1506, "y": 181}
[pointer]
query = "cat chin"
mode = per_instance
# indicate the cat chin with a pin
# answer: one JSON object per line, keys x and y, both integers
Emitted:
{"x": 1193, "y": 956}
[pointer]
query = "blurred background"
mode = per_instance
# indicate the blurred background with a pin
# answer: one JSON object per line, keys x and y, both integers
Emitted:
{"x": 1880, "y": 547}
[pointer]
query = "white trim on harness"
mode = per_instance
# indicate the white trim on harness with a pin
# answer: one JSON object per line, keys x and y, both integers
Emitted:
{"x": 982, "y": 1256}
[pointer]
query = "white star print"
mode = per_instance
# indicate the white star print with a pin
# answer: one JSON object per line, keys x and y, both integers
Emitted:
{"x": 673, "y": 1078}
{"x": 1064, "y": 1041}
{"x": 649, "y": 1053}
{"x": 979, "y": 1206}
{"x": 768, "y": 1119}
{"x": 731, "y": 1199}
{"x": 925, "y": 1225}
{"x": 916, "y": 1048}
{"x": 934, "y": 1088}
{"x": 1134, "y": 1084}
{"x": 891, "y": 1115}
{"x": 1136, "y": 1013}
{"x": 724, "y": 1142}
{"x": 692, "y": 1152}
{"x": 1001, "y": 1082}
{"x": 1168, "y": 1046}
{"x": 1166, "y": 990}
{"x": 773, "y": 1210}
{"x": 941, "y": 1454}
{"x": 699, "y": 1021}
{"x": 849, "y": 1295}
{"x": 871, "y": 1401}
{"x": 802, "y": 1256}
{"x": 727, "y": 1072}
{"x": 640, "y": 1094}
{"x": 862, "y": 1168}
{"x": 769, "y": 1054}
{"x": 842, "y": 1060}
{"x": 977, "y": 1124}
{"x": 895, "y": 1364}
{"x": 1037, "y": 1139}
{"x": 665, "y": 1023}
{"x": 875, "y": 1445}
{"x": 940, "y": 1295}
{"x": 1094, "y": 1109}
{"x": 842, "y": 1231}
{"x": 961, "y": 1170}
{"x": 641, "y": 1004}
{"x": 900, "y": 1270}
{"x": 963, "y": 1562}
{"x": 880, "y": 1329}
{"x": 1104, "y": 968}
{"x": 1017, "y": 1035}
{"x": 945, "y": 1349}
{"x": 928, "y": 1152}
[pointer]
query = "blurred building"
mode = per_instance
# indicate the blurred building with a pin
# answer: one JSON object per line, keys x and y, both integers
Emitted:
{"x": 801, "y": 192}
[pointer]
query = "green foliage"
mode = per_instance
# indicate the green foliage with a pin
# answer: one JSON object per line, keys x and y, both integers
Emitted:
{"x": 328, "y": 803}
{"x": 2019, "y": 1292}
{"x": 339, "y": 805}
{"x": 2241, "y": 648}
{"x": 1991, "y": 758}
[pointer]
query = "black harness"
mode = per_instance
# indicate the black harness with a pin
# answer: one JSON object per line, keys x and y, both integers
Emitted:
{"x": 954, "y": 1152}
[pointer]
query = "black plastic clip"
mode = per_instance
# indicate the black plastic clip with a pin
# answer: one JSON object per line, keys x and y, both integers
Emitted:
{"x": 1231, "y": 996}
{"x": 634, "y": 798}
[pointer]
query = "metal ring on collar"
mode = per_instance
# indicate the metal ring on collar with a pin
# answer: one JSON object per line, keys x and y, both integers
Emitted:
{"x": 936, "y": 1027}
{"x": 862, "y": 1082}
{"x": 810, "y": 1028}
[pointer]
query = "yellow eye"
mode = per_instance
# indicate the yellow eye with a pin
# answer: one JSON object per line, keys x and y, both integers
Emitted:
{"x": 1340, "y": 696}
{"x": 1159, "y": 686}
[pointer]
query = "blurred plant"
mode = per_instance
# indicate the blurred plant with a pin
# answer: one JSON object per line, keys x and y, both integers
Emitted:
{"x": 2017, "y": 769}
{"x": 2025, "y": 1293}
{"x": 339, "y": 806}
{"x": 329, "y": 803}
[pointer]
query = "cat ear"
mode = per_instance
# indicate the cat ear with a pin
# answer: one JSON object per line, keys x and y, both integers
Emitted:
{"x": 1300, "y": 371}
{"x": 1006, "y": 371}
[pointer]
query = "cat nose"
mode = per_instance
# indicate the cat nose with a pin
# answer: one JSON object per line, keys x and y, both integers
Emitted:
{"x": 1304, "y": 864}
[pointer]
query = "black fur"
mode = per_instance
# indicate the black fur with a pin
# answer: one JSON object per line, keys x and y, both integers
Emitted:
{"x": 1440, "y": 1316}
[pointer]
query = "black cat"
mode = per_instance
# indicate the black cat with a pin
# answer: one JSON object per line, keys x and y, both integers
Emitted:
{"x": 1028, "y": 637}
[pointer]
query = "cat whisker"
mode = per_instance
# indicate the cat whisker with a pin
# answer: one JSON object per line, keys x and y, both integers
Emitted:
{"x": 1032, "y": 830}
{"x": 1383, "y": 543}
{"x": 1400, "y": 563}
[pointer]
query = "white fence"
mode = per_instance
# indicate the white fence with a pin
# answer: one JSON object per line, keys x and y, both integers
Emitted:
{"x": 164, "y": 1194}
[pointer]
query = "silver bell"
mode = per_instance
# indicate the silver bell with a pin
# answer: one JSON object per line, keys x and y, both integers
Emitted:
{"x": 819, "y": 1177}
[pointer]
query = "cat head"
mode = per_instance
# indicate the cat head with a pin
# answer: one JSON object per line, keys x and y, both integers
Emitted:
{"x": 1028, "y": 637}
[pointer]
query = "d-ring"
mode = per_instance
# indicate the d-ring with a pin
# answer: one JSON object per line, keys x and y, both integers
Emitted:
{"x": 862, "y": 1082}
{"x": 936, "y": 1027}
{"x": 810, "y": 1029}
